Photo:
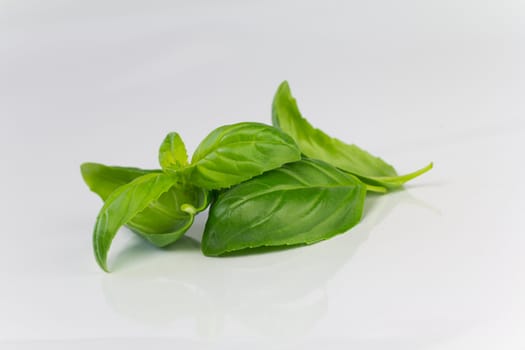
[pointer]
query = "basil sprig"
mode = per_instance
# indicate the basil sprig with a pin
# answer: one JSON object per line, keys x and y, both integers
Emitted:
{"x": 278, "y": 185}
{"x": 160, "y": 205}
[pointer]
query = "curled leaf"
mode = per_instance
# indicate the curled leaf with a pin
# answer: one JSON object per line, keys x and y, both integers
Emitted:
{"x": 122, "y": 205}
{"x": 165, "y": 219}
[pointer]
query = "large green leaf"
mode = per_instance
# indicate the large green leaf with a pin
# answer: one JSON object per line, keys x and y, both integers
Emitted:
{"x": 315, "y": 143}
{"x": 300, "y": 203}
{"x": 234, "y": 153}
{"x": 172, "y": 153}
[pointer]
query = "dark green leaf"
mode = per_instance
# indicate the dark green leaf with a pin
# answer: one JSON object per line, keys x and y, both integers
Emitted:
{"x": 301, "y": 202}
{"x": 172, "y": 153}
{"x": 316, "y": 144}
{"x": 235, "y": 153}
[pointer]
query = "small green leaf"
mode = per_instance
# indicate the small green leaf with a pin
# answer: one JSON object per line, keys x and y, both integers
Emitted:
{"x": 234, "y": 153}
{"x": 172, "y": 153}
{"x": 103, "y": 179}
{"x": 300, "y": 203}
{"x": 316, "y": 144}
{"x": 122, "y": 205}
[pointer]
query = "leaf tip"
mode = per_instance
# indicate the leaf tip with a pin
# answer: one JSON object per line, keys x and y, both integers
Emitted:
{"x": 104, "y": 267}
{"x": 284, "y": 84}
{"x": 100, "y": 256}
{"x": 172, "y": 153}
{"x": 85, "y": 168}
{"x": 425, "y": 169}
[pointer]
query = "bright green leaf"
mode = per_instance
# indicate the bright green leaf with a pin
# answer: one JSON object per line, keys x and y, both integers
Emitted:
{"x": 172, "y": 153}
{"x": 103, "y": 179}
{"x": 234, "y": 153}
{"x": 314, "y": 143}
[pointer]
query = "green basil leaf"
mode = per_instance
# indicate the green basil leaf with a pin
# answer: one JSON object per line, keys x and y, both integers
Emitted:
{"x": 315, "y": 143}
{"x": 300, "y": 203}
{"x": 172, "y": 153}
{"x": 122, "y": 205}
{"x": 234, "y": 153}
{"x": 103, "y": 179}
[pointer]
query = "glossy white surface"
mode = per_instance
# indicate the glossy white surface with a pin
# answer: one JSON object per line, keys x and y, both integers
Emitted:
{"x": 437, "y": 266}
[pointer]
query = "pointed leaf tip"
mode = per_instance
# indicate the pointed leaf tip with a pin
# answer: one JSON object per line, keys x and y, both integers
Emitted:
{"x": 172, "y": 153}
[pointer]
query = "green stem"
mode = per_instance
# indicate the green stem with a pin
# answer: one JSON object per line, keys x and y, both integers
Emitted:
{"x": 378, "y": 189}
{"x": 407, "y": 177}
{"x": 188, "y": 208}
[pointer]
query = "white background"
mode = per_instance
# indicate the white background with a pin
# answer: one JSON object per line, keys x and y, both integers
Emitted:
{"x": 437, "y": 266}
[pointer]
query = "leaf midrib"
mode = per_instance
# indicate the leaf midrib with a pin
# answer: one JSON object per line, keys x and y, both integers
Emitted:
{"x": 214, "y": 149}
{"x": 288, "y": 189}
